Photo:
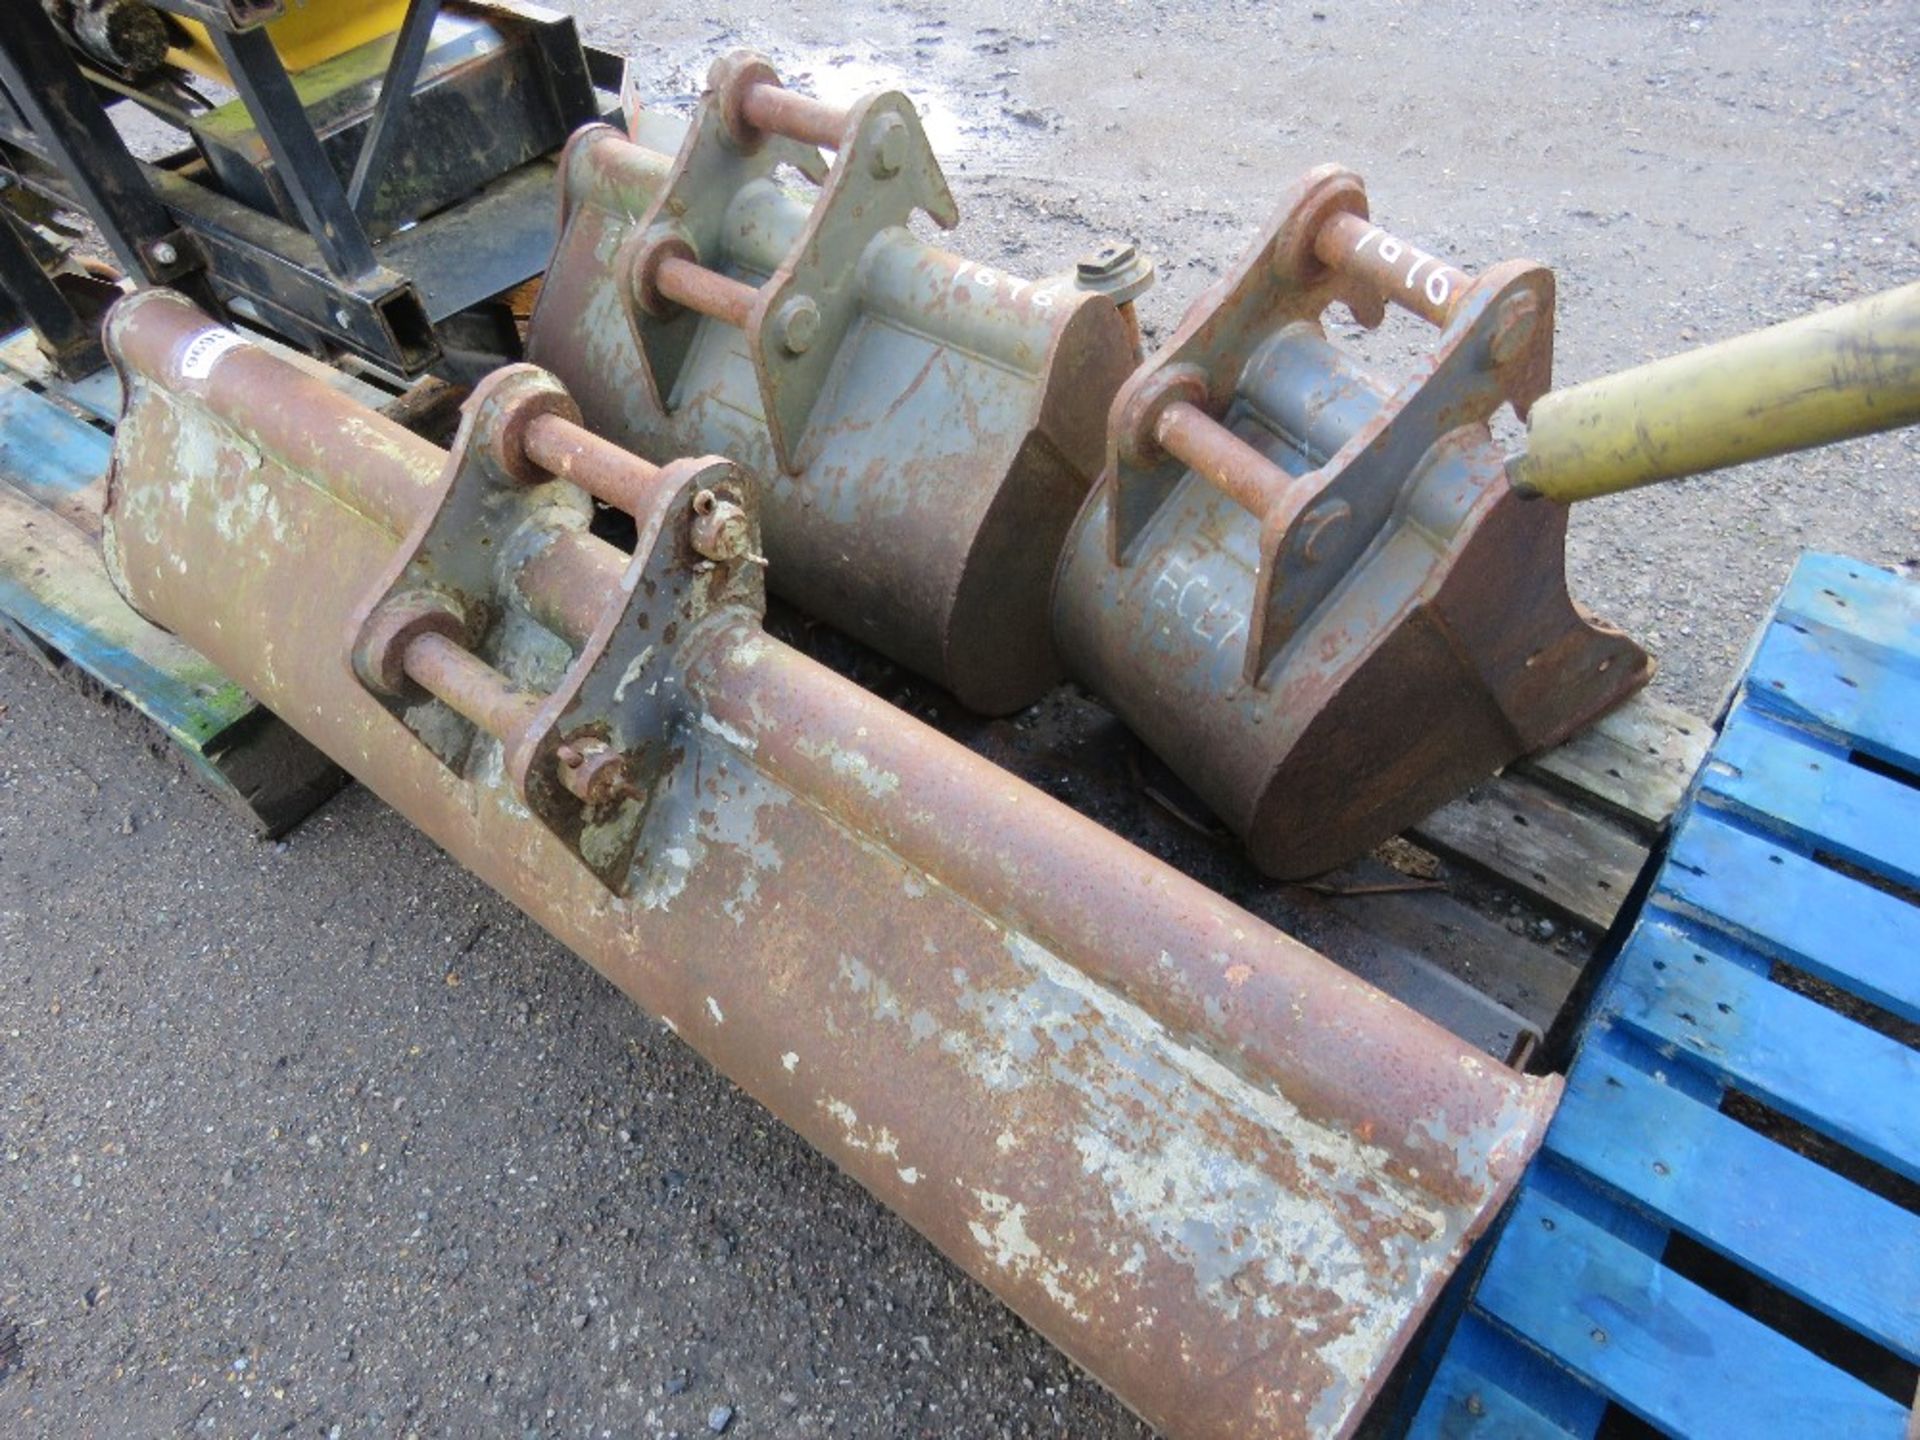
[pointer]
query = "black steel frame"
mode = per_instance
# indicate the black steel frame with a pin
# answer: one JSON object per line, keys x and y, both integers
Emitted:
{"x": 69, "y": 332}
{"x": 321, "y": 282}
{"x": 50, "y": 99}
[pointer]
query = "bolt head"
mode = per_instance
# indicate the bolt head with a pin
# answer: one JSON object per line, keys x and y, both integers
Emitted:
{"x": 889, "y": 145}
{"x": 162, "y": 252}
{"x": 1115, "y": 269}
{"x": 1320, "y": 528}
{"x": 593, "y": 771}
{"x": 720, "y": 529}
{"x": 799, "y": 325}
{"x": 1106, "y": 262}
{"x": 1513, "y": 328}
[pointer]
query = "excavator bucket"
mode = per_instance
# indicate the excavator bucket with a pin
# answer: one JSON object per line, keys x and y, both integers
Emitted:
{"x": 1223, "y": 1175}
{"x": 923, "y": 428}
{"x": 1323, "y": 557}
{"x": 1315, "y": 594}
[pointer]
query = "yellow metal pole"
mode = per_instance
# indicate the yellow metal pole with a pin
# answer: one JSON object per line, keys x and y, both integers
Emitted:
{"x": 1852, "y": 370}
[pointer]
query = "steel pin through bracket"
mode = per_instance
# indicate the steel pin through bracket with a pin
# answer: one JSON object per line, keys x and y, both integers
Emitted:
{"x": 582, "y": 756}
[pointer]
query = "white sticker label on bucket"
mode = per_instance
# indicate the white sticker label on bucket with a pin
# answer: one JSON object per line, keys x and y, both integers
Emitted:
{"x": 203, "y": 352}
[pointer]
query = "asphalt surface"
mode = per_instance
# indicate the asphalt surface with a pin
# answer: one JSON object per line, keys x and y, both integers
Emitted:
{"x": 323, "y": 1137}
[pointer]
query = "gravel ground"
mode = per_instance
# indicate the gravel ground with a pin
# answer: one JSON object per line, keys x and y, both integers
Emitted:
{"x": 322, "y": 1137}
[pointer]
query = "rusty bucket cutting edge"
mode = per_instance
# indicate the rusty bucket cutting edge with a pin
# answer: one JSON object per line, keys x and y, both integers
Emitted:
{"x": 1222, "y": 1175}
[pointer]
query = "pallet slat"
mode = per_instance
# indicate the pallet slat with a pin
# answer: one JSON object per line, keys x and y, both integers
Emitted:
{"x": 1854, "y": 599}
{"x": 1468, "y": 1404}
{"x": 1634, "y": 763}
{"x": 1662, "y": 1347}
{"x": 1790, "y": 1052}
{"x": 1577, "y": 863}
{"x": 97, "y": 394}
{"x": 1839, "y": 1248}
{"x": 1842, "y": 685}
{"x": 1404, "y": 972}
{"x": 1516, "y": 972}
{"x": 1847, "y": 933}
{"x": 1815, "y": 798}
{"x": 1485, "y": 1390}
{"x": 47, "y": 454}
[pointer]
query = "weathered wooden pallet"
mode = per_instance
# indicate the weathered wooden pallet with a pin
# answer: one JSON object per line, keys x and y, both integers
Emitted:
{"x": 1571, "y": 828}
{"x": 1557, "y": 843}
{"x": 1722, "y": 1235}
{"x": 58, "y": 603}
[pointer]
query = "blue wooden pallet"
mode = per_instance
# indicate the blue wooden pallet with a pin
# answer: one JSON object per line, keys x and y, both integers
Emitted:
{"x": 1787, "y": 897}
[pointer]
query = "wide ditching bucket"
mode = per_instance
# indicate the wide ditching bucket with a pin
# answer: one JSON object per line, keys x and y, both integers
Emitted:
{"x": 1223, "y": 1175}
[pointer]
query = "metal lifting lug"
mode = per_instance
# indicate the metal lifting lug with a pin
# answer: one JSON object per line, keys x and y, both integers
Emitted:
{"x": 1315, "y": 596}
{"x": 583, "y": 753}
{"x": 924, "y": 428}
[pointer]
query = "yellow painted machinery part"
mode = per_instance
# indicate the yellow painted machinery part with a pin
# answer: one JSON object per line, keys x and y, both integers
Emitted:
{"x": 1852, "y": 370}
{"x": 307, "y": 34}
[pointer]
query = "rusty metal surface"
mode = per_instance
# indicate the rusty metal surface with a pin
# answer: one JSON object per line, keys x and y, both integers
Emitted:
{"x": 1316, "y": 598}
{"x": 1224, "y": 1176}
{"x": 954, "y": 415}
